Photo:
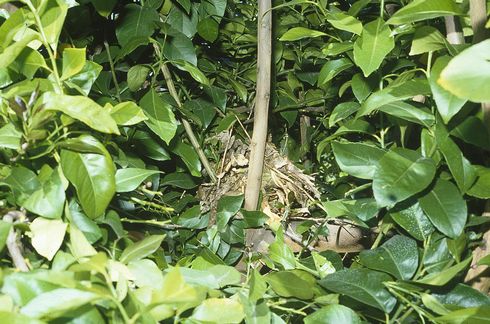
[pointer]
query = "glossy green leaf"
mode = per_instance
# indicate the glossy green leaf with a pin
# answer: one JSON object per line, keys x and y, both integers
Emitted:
{"x": 401, "y": 173}
{"x": 476, "y": 315}
{"x": 179, "y": 180}
{"x": 422, "y": 10}
{"x": 362, "y": 285}
{"x": 446, "y": 208}
{"x": 292, "y": 283}
{"x": 10, "y": 137}
{"x": 227, "y": 207}
{"x": 127, "y": 114}
{"x": 129, "y": 179}
{"x": 345, "y": 22}
{"x": 258, "y": 286}
{"x": 372, "y": 46}
{"x": 23, "y": 182}
{"x": 427, "y": 39}
{"x": 193, "y": 71}
{"x": 85, "y": 79}
{"x": 137, "y": 75}
{"x": 398, "y": 256}
{"x": 358, "y": 159}
{"x": 9, "y": 54}
{"x": 47, "y": 236}
{"x": 219, "y": 310}
{"x": 141, "y": 249}
{"x": 447, "y": 103}
{"x": 138, "y": 22}
{"x": 297, "y": 33}
{"x": 394, "y": 93}
{"x": 333, "y": 314}
{"x": 332, "y": 68}
{"x": 409, "y": 112}
{"x": 481, "y": 187}
{"x": 92, "y": 175}
{"x": 443, "y": 277}
{"x": 208, "y": 29}
{"x": 103, "y": 7}
{"x": 181, "y": 48}
{"x": 467, "y": 75}
{"x": 83, "y": 109}
{"x": 413, "y": 220}
{"x": 54, "y": 303}
{"x": 52, "y": 19}
{"x": 73, "y": 62}
{"x": 203, "y": 109}
{"x": 87, "y": 226}
{"x": 49, "y": 199}
{"x": 161, "y": 119}
{"x": 189, "y": 156}
{"x": 342, "y": 111}
{"x": 281, "y": 253}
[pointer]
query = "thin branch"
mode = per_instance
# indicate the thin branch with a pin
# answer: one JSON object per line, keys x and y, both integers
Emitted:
{"x": 13, "y": 245}
{"x": 478, "y": 15}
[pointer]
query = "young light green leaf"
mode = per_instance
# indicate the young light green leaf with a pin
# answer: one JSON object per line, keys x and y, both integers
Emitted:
{"x": 297, "y": 33}
{"x": 73, "y": 62}
{"x": 10, "y": 137}
{"x": 92, "y": 175}
{"x": 332, "y": 68}
{"x": 398, "y": 256}
{"x": 427, "y": 39}
{"x": 137, "y": 75}
{"x": 129, "y": 179}
{"x": 358, "y": 159}
{"x": 342, "y": 111}
{"x": 409, "y": 112}
{"x": 466, "y": 315}
{"x": 49, "y": 199}
{"x": 421, "y": 10}
{"x": 83, "y": 109}
{"x": 52, "y": 20}
{"x": 362, "y": 285}
{"x": 141, "y": 249}
{"x": 161, "y": 119}
{"x": 443, "y": 277}
{"x": 372, "y": 46}
{"x": 292, "y": 283}
{"x": 127, "y": 113}
{"x": 47, "y": 236}
{"x": 219, "y": 310}
{"x": 333, "y": 314}
{"x": 80, "y": 247}
{"x": 345, "y": 22}
{"x": 467, "y": 75}
{"x": 401, "y": 173}
{"x": 281, "y": 253}
{"x": 445, "y": 208}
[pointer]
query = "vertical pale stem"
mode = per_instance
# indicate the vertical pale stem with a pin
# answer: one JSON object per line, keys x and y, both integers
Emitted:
{"x": 261, "y": 110}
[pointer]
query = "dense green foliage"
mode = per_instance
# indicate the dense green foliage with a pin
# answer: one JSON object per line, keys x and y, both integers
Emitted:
{"x": 94, "y": 153}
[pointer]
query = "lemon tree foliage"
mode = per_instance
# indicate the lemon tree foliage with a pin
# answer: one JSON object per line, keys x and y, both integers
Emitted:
{"x": 95, "y": 156}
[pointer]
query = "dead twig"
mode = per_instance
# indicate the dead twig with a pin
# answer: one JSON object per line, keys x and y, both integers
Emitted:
{"x": 14, "y": 247}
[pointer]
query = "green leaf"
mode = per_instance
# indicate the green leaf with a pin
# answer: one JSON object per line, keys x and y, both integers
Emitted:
{"x": 474, "y": 315}
{"x": 189, "y": 156}
{"x": 179, "y": 180}
{"x": 342, "y": 111}
{"x": 217, "y": 96}
{"x": 281, "y": 253}
{"x": 372, "y": 46}
{"x": 29, "y": 61}
{"x": 228, "y": 206}
{"x": 182, "y": 22}
{"x": 481, "y": 188}
{"x": 127, "y": 114}
{"x": 85, "y": 79}
{"x": 141, "y": 249}
{"x": 333, "y": 314}
{"x": 461, "y": 169}
{"x": 443, "y": 277}
{"x": 181, "y": 48}
{"x": 83, "y": 109}
{"x": 161, "y": 119}
{"x": 193, "y": 71}
{"x": 394, "y": 93}
{"x": 52, "y": 304}
{"x": 23, "y": 182}
{"x": 208, "y": 29}
{"x": 203, "y": 109}
{"x": 398, "y": 256}
{"x": 4, "y": 233}
{"x": 362, "y": 285}
{"x": 345, "y": 22}
{"x": 445, "y": 208}
{"x": 73, "y": 62}
{"x": 47, "y": 236}
{"x": 92, "y": 175}
{"x": 146, "y": 273}
{"x": 86, "y": 225}
{"x": 422, "y": 10}
{"x": 136, "y": 21}
{"x": 224, "y": 275}
{"x": 427, "y": 39}
{"x": 10, "y": 137}
{"x": 52, "y": 19}
{"x": 414, "y": 221}
{"x": 104, "y": 7}
{"x": 361, "y": 87}
{"x": 468, "y": 73}
{"x": 292, "y": 283}
{"x": 357, "y": 159}
{"x": 332, "y": 68}
{"x": 401, "y": 173}
{"x": 49, "y": 199}
{"x": 297, "y": 33}
{"x": 258, "y": 286}
{"x": 10, "y": 53}
{"x": 129, "y": 179}
{"x": 447, "y": 103}
{"x": 137, "y": 75}
{"x": 219, "y": 310}
{"x": 409, "y": 112}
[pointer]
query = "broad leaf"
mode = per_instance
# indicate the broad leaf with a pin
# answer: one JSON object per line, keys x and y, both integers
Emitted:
{"x": 481, "y": 188}
{"x": 137, "y": 76}
{"x": 219, "y": 310}
{"x": 345, "y": 22}
{"x": 141, "y": 249}
{"x": 49, "y": 199}
{"x": 297, "y": 33}
{"x": 227, "y": 207}
{"x": 409, "y": 112}
{"x": 47, "y": 236}
{"x": 342, "y": 111}
{"x": 161, "y": 119}
{"x": 193, "y": 71}
{"x": 468, "y": 74}
{"x": 332, "y": 68}
{"x": 445, "y": 208}
{"x": 129, "y": 179}
{"x": 398, "y": 256}
{"x": 136, "y": 21}
{"x": 372, "y": 46}
{"x": 127, "y": 114}
{"x": 443, "y": 277}
{"x": 413, "y": 220}
{"x": 73, "y": 62}
{"x": 423, "y": 9}
{"x": 357, "y": 159}
{"x": 10, "y": 137}
{"x": 401, "y": 173}
{"x": 333, "y": 314}
{"x": 92, "y": 175}
{"x": 427, "y": 39}
{"x": 292, "y": 283}
{"x": 477, "y": 315}
{"x": 362, "y": 285}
